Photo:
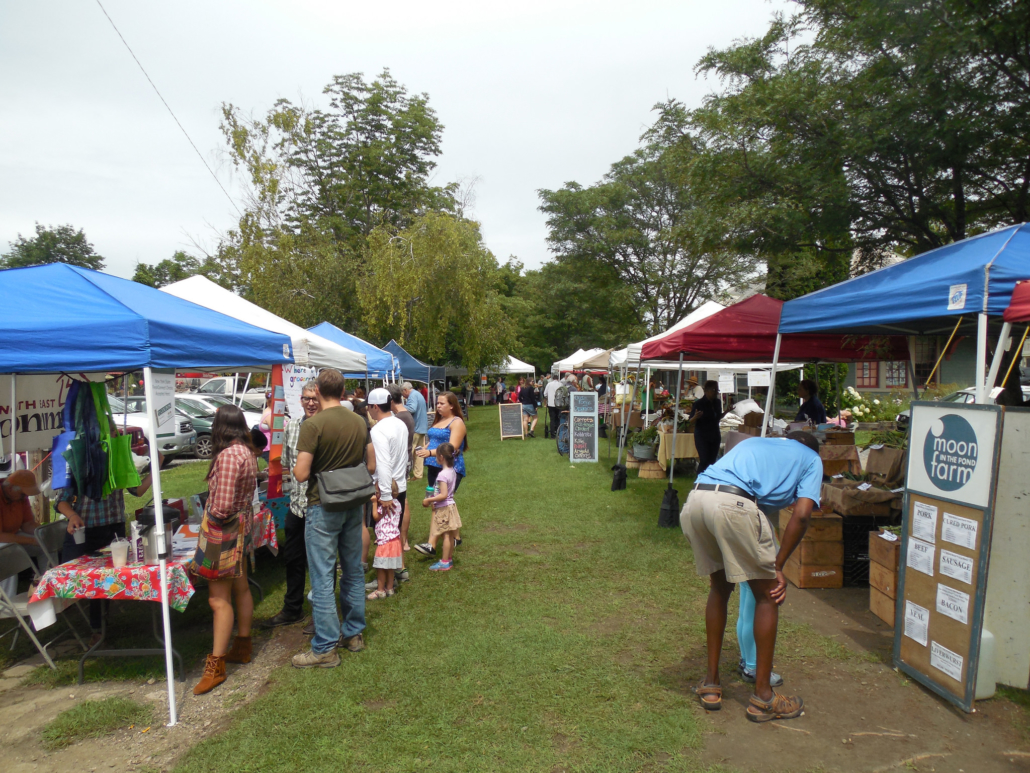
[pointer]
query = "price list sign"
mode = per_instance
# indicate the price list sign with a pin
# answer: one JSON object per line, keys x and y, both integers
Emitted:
{"x": 584, "y": 427}
{"x": 945, "y": 546}
{"x": 512, "y": 424}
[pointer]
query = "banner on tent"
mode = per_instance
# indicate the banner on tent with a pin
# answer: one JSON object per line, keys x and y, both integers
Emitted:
{"x": 162, "y": 385}
{"x": 294, "y": 378}
{"x": 37, "y": 416}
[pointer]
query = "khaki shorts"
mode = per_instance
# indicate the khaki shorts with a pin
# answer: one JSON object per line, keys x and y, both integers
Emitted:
{"x": 730, "y": 533}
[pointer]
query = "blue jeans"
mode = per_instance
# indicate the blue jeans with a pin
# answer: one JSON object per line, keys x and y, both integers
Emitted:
{"x": 746, "y": 627}
{"x": 326, "y": 535}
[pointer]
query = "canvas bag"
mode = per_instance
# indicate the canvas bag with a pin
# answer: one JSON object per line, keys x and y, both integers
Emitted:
{"x": 60, "y": 477}
{"x": 345, "y": 488}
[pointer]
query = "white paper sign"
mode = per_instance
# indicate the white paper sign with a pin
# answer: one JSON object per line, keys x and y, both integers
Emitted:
{"x": 917, "y": 622}
{"x": 877, "y": 447}
{"x": 920, "y": 556}
{"x": 897, "y": 490}
{"x": 294, "y": 378}
{"x": 864, "y": 486}
{"x": 727, "y": 383}
{"x": 758, "y": 378}
{"x": 889, "y": 536}
{"x": 945, "y": 660}
{"x": 924, "y": 522}
{"x": 953, "y": 603}
{"x": 959, "y": 567}
{"x": 959, "y": 531}
{"x": 162, "y": 390}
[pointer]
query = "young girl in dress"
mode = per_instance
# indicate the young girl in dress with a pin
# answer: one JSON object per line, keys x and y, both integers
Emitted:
{"x": 446, "y": 521}
{"x": 389, "y": 555}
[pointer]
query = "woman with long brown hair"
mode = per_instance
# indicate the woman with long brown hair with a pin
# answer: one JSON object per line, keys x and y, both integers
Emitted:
{"x": 222, "y": 549}
{"x": 448, "y": 428}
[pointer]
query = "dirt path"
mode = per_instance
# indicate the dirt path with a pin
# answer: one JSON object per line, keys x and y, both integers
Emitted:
{"x": 861, "y": 715}
{"x": 24, "y": 711}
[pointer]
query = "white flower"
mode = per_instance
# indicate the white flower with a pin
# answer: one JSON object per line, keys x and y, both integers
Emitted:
{"x": 876, "y": 402}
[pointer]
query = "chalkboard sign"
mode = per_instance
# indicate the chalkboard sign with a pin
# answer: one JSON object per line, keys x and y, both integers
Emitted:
{"x": 584, "y": 422}
{"x": 511, "y": 420}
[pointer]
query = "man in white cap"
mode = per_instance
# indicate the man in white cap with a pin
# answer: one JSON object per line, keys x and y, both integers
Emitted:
{"x": 390, "y": 440}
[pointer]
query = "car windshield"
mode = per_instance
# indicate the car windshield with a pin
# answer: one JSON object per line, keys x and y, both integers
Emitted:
{"x": 956, "y": 397}
{"x": 193, "y": 409}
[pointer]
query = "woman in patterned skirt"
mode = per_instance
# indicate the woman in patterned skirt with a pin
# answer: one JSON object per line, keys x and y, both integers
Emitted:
{"x": 221, "y": 556}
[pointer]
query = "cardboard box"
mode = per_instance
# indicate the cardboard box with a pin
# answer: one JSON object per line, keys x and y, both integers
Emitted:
{"x": 843, "y": 496}
{"x": 840, "y": 438}
{"x": 883, "y": 579}
{"x": 753, "y": 419}
{"x": 813, "y": 575}
{"x": 838, "y": 459}
{"x": 881, "y": 605}
{"x": 884, "y": 552}
{"x": 823, "y": 526}
{"x": 823, "y": 553}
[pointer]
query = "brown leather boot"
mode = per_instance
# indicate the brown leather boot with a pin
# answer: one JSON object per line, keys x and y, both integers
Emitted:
{"x": 214, "y": 674}
{"x": 240, "y": 651}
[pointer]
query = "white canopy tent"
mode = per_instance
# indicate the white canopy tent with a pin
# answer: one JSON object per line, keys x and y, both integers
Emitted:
{"x": 575, "y": 360}
{"x": 511, "y": 365}
{"x": 309, "y": 349}
{"x": 630, "y": 356}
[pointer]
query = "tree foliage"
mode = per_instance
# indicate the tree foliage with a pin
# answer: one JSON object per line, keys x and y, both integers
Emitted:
{"x": 181, "y": 266}
{"x": 433, "y": 287}
{"x": 54, "y": 244}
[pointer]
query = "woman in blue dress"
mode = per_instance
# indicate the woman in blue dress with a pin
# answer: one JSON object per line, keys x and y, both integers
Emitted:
{"x": 448, "y": 428}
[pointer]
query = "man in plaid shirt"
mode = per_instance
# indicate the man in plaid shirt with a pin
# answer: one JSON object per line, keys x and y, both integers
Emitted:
{"x": 294, "y": 550}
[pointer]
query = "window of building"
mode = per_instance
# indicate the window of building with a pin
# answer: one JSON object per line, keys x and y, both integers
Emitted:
{"x": 926, "y": 358}
{"x": 867, "y": 375}
{"x": 896, "y": 374}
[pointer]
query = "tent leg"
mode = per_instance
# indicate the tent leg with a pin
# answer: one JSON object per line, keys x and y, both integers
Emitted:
{"x": 981, "y": 359}
{"x": 622, "y": 424}
{"x": 676, "y": 418}
{"x": 163, "y": 549}
{"x": 836, "y": 372}
{"x": 999, "y": 355}
{"x": 246, "y": 385}
{"x": 772, "y": 386}
{"x": 14, "y": 422}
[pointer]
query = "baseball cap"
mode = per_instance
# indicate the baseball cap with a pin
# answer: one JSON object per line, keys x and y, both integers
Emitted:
{"x": 25, "y": 481}
{"x": 379, "y": 396}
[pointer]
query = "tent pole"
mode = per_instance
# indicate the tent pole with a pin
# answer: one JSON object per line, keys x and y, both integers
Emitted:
{"x": 836, "y": 372}
{"x": 246, "y": 384}
{"x": 155, "y": 473}
{"x": 622, "y": 424}
{"x": 676, "y": 418}
{"x": 981, "y": 358}
{"x": 125, "y": 403}
{"x": 14, "y": 423}
{"x": 235, "y": 377}
{"x": 772, "y": 386}
{"x": 999, "y": 354}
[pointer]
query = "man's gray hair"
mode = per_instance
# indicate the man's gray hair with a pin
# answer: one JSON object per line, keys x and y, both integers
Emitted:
{"x": 407, "y": 385}
{"x": 309, "y": 386}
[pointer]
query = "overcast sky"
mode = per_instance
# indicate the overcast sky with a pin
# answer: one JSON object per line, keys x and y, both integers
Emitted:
{"x": 530, "y": 96}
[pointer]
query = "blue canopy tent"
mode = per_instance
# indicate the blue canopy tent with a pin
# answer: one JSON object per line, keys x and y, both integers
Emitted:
{"x": 381, "y": 364}
{"x": 63, "y": 319}
{"x": 413, "y": 369}
{"x": 956, "y": 288}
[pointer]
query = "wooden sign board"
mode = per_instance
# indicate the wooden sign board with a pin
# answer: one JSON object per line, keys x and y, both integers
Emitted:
{"x": 511, "y": 420}
{"x": 584, "y": 426}
{"x": 945, "y": 546}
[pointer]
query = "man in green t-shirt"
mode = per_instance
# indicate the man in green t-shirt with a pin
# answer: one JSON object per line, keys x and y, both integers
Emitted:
{"x": 330, "y": 440}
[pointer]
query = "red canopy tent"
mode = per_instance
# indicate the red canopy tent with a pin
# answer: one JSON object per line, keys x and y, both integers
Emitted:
{"x": 746, "y": 331}
{"x": 1019, "y": 305}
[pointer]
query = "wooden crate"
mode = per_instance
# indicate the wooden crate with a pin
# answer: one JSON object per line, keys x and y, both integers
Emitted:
{"x": 840, "y": 438}
{"x": 813, "y": 575}
{"x": 881, "y": 605}
{"x": 840, "y": 500}
{"x": 883, "y": 579}
{"x": 823, "y": 526}
{"x": 820, "y": 552}
{"x": 884, "y": 552}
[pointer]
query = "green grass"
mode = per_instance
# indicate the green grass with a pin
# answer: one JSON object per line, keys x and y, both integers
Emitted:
{"x": 92, "y": 719}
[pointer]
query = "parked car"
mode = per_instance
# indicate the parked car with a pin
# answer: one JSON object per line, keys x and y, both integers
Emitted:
{"x": 211, "y": 403}
{"x": 202, "y": 420}
{"x": 185, "y": 438}
{"x": 961, "y": 396}
{"x": 222, "y": 385}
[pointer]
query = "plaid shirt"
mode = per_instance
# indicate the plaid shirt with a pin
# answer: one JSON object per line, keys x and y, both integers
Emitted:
{"x": 233, "y": 481}
{"x": 298, "y": 491}
{"x": 106, "y": 511}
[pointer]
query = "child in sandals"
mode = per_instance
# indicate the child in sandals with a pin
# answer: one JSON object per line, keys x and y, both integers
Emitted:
{"x": 389, "y": 555}
{"x": 446, "y": 521}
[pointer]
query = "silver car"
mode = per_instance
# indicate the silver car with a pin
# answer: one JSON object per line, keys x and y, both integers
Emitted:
{"x": 185, "y": 436}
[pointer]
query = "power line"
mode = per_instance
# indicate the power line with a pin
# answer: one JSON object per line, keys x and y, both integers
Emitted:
{"x": 185, "y": 133}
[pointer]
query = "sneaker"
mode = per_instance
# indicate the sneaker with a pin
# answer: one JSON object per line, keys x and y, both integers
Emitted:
{"x": 355, "y": 643}
{"x": 775, "y": 680}
{"x": 426, "y": 549}
{"x": 441, "y": 566}
{"x": 372, "y": 585}
{"x": 401, "y": 576}
{"x": 391, "y": 592}
{"x": 281, "y": 619}
{"x": 457, "y": 542}
{"x": 309, "y": 629}
{"x": 312, "y": 659}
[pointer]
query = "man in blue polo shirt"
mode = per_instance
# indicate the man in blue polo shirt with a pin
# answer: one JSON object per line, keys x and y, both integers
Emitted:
{"x": 733, "y": 542}
{"x": 416, "y": 403}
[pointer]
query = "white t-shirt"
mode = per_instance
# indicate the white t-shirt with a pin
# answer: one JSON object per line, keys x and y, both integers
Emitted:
{"x": 551, "y": 389}
{"x": 390, "y": 441}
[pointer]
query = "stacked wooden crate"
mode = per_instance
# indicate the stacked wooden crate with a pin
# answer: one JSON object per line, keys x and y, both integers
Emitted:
{"x": 818, "y": 561}
{"x": 883, "y": 575}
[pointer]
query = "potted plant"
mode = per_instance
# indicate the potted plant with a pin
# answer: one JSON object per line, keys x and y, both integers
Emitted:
{"x": 645, "y": 442}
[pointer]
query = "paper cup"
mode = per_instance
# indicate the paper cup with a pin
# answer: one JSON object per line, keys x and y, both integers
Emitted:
{"x": 79, "y": 535}
{"x": 119, "y": 554}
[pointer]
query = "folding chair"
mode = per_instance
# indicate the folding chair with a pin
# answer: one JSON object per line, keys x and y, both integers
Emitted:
{"x": 13, "y": 560}
{"x": 50, "y": 538}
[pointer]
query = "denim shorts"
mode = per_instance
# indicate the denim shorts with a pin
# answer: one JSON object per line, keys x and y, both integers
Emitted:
{"x": 529, "y": 410}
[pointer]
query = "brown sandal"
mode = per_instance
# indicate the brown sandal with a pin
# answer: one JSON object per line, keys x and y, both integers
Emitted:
{"x": 778, "y": 707}
{"x": 706, "y": 690}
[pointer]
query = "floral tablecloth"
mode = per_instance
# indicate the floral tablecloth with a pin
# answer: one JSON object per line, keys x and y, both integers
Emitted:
{"x": 94, "y": 577}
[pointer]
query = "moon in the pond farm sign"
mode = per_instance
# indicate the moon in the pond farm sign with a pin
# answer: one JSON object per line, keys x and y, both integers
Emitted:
{"x": 951, "y": 452}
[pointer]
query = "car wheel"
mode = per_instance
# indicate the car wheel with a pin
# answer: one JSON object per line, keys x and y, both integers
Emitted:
{"x": 203, "y": 448}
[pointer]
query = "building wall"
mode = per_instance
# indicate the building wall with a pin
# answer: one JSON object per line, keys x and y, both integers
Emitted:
{"x": 959, "y": 369}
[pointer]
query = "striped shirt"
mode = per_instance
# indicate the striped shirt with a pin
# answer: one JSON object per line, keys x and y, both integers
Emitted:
{"x": 298, "y": 491}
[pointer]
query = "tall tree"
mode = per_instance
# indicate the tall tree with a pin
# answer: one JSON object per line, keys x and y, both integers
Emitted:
{"x": 54, "y": 244}
{"x": 181, "y": 266}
